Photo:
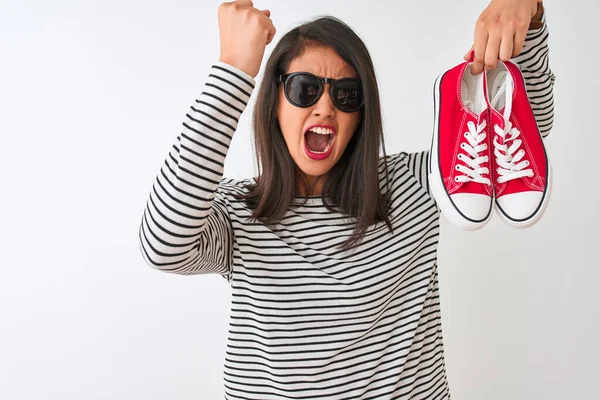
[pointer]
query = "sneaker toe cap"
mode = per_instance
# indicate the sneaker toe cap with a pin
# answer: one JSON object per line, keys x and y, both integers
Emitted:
{"x": 476, "y": 207}
{"x": 520, "y": 206}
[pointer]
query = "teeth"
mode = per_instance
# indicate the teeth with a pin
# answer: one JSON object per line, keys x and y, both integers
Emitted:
{"x": 322, "y": 131}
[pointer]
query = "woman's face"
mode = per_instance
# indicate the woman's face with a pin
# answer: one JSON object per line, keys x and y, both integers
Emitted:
{"x": 295, "y": 121}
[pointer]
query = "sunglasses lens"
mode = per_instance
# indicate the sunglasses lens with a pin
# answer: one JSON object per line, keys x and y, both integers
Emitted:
{"x": 347, "y": 95}
{"x": 302, "y": 90}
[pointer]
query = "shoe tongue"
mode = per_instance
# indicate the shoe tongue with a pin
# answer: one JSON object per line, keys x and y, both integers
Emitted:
{"x": 315, "y": 141}
{"x": 469, "y": 105}
{"x": 498, "y": 88}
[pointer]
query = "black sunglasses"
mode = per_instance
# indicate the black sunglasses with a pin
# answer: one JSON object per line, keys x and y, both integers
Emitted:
{"x": 304, "y": 89}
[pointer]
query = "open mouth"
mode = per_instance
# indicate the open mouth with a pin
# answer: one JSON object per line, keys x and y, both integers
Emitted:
{"x": 319, "y": 140}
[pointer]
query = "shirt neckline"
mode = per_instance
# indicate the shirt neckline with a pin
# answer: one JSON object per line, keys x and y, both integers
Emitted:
{"x": 310, "y": 199}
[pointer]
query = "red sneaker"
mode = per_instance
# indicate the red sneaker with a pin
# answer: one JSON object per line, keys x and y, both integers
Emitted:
{"x": 521, "y": 170}
{"x": 460, "y": 158}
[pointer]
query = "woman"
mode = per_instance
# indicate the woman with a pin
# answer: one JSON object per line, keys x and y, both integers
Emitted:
{"x": 330, "y": 252}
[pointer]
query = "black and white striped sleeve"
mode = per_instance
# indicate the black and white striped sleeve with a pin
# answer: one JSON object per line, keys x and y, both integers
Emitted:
{"x": 185, "y": 228}
{"x": 539, "y": 78}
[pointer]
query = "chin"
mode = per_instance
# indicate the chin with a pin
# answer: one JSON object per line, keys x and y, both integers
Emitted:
{"x": 315, "y": 168}
{"x": 315, "y": 171}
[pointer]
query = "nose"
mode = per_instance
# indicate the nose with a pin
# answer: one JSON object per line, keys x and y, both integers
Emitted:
{"x": 324, "y": 106}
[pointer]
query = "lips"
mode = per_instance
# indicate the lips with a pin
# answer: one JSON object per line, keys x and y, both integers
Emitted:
{"x": 331, "y": 128}
{"x": 316, "y": 155}
{"x": 318, "y": 143}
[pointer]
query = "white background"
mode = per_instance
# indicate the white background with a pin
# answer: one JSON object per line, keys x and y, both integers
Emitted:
{"x": 92, "y": 96}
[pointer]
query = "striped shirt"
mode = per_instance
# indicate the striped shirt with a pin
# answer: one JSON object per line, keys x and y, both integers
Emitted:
{"x": 308, "y": 321}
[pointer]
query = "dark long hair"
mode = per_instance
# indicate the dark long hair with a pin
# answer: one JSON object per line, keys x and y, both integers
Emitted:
{"x": 352, "y": 185}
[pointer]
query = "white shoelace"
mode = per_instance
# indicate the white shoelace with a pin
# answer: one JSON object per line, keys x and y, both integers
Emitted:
{"x": 509, "y": 157}
{"x": 473, "y": 170}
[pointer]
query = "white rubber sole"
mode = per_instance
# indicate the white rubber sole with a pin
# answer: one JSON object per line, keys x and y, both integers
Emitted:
{"x": 438, "y": 188}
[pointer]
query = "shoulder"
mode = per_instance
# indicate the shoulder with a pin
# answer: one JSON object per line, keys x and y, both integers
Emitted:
{"x": 232, "y": 186}
{"x": 393, "y": 159}
{"x": 415, "y": 162}
{"x": 406, "y": 166}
